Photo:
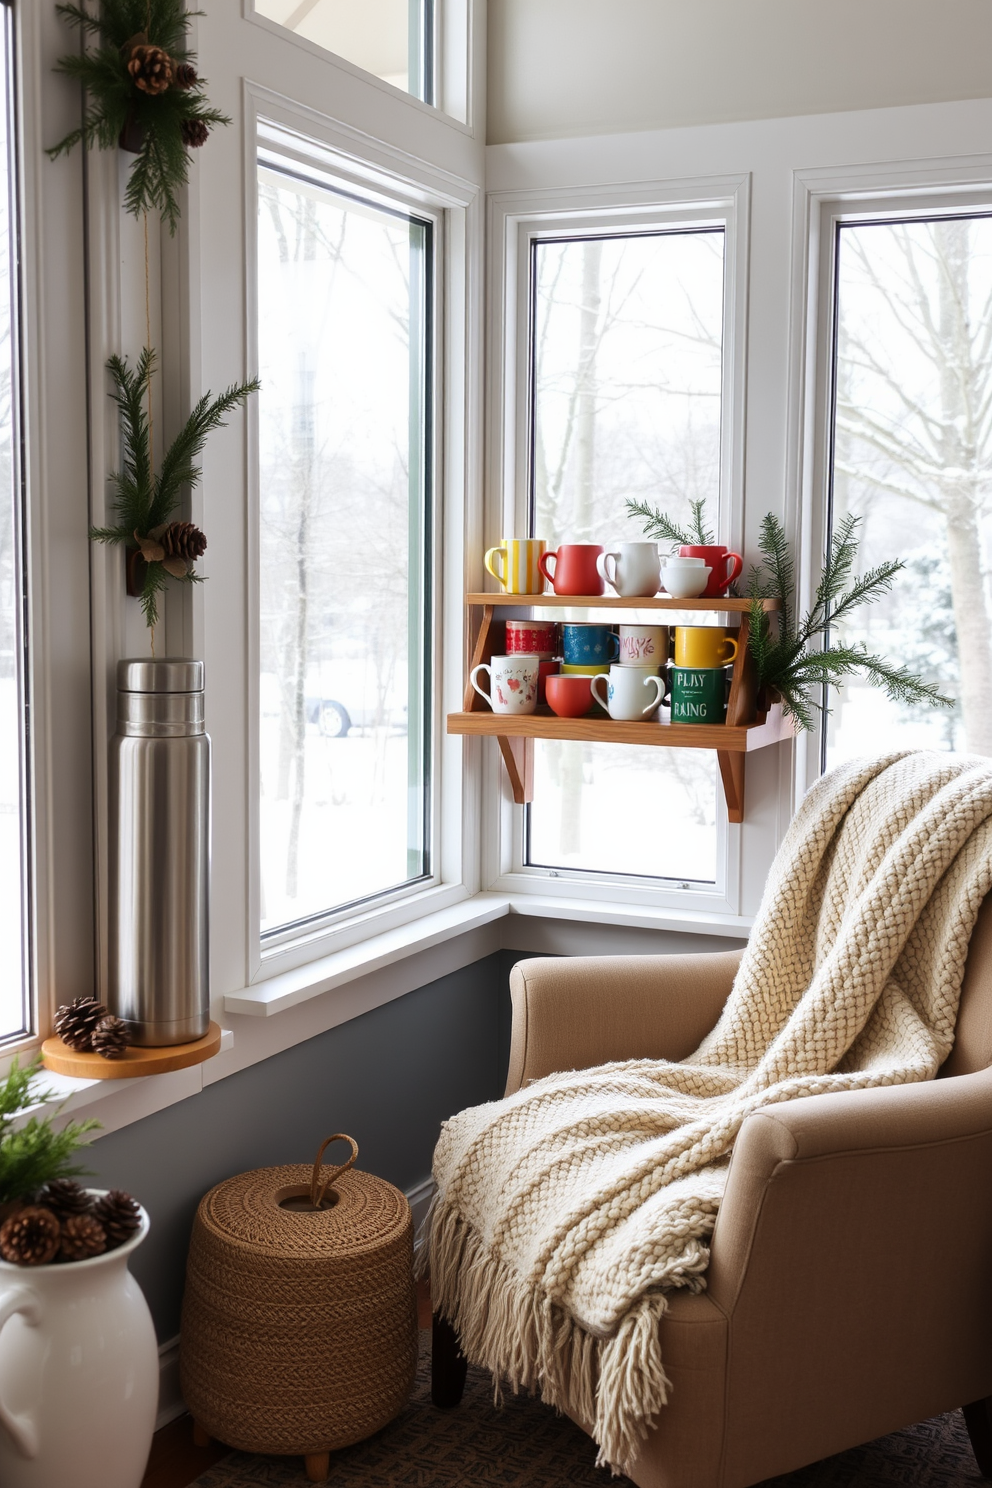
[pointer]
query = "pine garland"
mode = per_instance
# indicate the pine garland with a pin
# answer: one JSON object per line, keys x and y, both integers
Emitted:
{"x": 658, "y": 524}
{"x": 142, "y": 501}
{"x": 119, "y": 109}
{"x": 801, "y": 660}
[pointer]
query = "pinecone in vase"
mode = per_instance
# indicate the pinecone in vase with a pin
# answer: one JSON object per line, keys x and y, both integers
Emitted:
{"x": 75, "y": 1022}
{"x": 111, "y": 1037}
{"x": 82, "y": 1236}
{"x": 184, "y": 76}
{"x": 120, "y": 1216}
{"x": 151, "y": 68}
{"x": 30, "y": 1238}
{"x": 65, "y": 1198}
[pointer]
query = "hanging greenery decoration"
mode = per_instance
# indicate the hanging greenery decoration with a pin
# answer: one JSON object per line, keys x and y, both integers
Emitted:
{"x": 143, "y": 94}
{"x": 158, "y": 547}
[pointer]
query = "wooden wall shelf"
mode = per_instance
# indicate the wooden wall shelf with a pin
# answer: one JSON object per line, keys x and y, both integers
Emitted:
{"x": 744, "y": 731}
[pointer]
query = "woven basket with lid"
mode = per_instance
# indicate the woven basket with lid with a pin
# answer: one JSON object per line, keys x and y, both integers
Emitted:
{"x": 299, "y": 1326}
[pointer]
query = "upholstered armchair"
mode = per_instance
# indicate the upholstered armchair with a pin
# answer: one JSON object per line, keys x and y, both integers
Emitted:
{"x": 849, "y": 1291}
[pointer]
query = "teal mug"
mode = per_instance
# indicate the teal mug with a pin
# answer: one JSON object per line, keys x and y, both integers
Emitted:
{"x": 698, "y": 694}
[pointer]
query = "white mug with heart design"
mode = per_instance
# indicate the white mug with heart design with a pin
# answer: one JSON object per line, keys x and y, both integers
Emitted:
{"x": 512, "y": 680}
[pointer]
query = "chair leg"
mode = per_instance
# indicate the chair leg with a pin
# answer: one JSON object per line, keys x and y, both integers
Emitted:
{"x": 318, "y": 1466}
{"x": 978, "y": 1419}
{"x": 201, "y": 1436}
{"x": 448, "y": 1365}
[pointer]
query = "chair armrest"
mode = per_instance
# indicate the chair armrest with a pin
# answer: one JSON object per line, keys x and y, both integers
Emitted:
{"x": 870, "y": 1166}
{"x": 573, "y": 1012}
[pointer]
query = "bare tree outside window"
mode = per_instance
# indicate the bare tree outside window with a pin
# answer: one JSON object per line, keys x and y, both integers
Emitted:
{"x": 627, "y": 379}
{"x": 912, "y": 455}
{"x": 343, "y": 546}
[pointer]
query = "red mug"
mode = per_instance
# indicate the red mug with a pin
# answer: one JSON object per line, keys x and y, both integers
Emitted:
{"x": 545, "y": 669}
{"x": 575, "y": 569}
{"x": 569, "y": 696}
{"x": 724, "y": 566}
{"x": 535, "y": 637}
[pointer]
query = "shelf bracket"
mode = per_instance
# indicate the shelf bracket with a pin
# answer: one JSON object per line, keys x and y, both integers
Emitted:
{"x": 518, "y": 757}
{"x": 732, "y": 775}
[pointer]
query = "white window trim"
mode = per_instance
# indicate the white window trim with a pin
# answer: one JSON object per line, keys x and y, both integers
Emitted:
{"x": 823, "y": 199}
{"x": 517, "y": 219}
{"x": 315, "y": 143}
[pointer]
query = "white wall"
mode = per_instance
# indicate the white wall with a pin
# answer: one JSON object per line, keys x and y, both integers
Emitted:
{"x": 566, "y": 68}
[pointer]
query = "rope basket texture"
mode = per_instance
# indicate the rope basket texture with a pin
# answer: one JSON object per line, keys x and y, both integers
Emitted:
{"x": 299, "y": 1326}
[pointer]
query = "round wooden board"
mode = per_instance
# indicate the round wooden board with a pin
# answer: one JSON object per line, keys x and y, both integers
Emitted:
{"x": 65, "y": 1061}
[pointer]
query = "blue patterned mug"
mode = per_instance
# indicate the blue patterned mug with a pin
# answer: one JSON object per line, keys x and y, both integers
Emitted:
{"x": 589, "y": 645}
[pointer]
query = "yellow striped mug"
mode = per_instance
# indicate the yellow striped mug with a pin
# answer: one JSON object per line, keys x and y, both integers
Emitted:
{"x": 514, "y": 564}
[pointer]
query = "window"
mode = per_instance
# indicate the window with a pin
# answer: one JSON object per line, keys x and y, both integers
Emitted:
{"x": 911, "y": 455}
{"x": 626, "y": 369}
{"x": 14, "y": 782}
{"x": 392, "y": 39}
{"x": 345, "y": 544}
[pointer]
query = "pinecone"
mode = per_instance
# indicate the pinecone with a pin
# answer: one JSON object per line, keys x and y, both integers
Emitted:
{"x": 151, "y": 68}
{"x": 185, "y": 76}
{"x": 65, "y": 1198}
{"x": 111, "y": 1038}
{"x": 120, "y": 1216}
{"x": 83, "y": 1236}
{"x": 194, "y": 132}
{"x": 75, "y": 1022}
{"x": 30, "y": 1238}
{"x": 183, "y": 540}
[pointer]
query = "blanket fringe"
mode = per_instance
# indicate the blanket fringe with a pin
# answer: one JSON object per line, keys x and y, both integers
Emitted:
{"x": 615, "y": 1386}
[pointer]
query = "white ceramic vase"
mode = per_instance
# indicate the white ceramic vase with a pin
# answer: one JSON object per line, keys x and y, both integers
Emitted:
{"x": 78, "y": 1373}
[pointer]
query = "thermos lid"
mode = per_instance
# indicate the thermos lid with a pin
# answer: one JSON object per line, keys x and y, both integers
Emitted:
{"x": 175, "y": 674}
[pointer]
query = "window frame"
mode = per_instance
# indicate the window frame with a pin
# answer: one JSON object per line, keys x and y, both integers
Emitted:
{"x": 274, "y": 145}
{"x": 824, "y": 201}
{"x": 518, "y": 219}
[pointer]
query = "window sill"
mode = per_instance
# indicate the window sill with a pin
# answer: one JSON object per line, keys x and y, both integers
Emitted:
{"x": 355, "y": 980}
{"x": 289, "y": 989}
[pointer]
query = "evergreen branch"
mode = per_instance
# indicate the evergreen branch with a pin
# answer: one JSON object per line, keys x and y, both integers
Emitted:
{"x": 701, "y": 534}
{"x": 111, "y": 534}
{"x": 36, "y": 1153}
{"x": 178, "y": 463}
{"x": 657, "y": 524}
{"x": 869, "y": 587}
{"x": 155, "y": 580}
{"x": 774, "y": 548}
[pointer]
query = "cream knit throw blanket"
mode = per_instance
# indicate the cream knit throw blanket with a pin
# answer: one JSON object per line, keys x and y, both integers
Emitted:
{"x": 566, "y": 1210}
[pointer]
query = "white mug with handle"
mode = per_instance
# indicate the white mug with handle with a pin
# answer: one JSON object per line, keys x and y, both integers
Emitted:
{"x": 626, "y": 692}
{"x": 513, "y": 682}
{"x": 636, "y": 569}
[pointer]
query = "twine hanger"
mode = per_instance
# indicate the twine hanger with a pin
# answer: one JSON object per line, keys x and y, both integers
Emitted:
{"x": 317, "y": 1193}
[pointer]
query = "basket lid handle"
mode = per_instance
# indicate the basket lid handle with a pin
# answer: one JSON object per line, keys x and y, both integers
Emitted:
{"x": 317, "y": 1191}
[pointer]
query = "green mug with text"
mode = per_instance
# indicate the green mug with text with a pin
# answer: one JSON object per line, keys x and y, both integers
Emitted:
{"x": 698, "y": 694}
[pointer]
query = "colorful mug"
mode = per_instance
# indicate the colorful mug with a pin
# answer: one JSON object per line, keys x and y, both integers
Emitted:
{"x": 724, "y": 565}
{"x": 636, "y": 569}
{"x": 644, "y": 645}
{"x": 703, "y": 646}
{"x": 515, "y": 564}
{"x": 575, "y": 570}
{"x": 584, "y": 671}
{"x": 585, "y": 644}
{"x": 629, "y": 694}
{"x": 699, "y": 694}
{"x": 532, "y": 638}
{"x": 513, "y": 681}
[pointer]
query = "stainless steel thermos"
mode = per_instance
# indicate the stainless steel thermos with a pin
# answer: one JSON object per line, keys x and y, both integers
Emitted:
{"x": 160, "y": 853}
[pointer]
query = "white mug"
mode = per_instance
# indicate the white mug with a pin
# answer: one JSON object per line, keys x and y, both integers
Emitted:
{"x": 636, "y": 569}
{"x": 513, "y": 680}
{"x": 643, "y": 646}
{"x": 625, "y": 690}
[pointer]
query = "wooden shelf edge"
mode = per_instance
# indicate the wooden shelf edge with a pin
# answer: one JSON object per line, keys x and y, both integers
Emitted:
{"x": 612, "y": 602}
{"x": 136, "y": 1063}
{"x": 739, "y": 739}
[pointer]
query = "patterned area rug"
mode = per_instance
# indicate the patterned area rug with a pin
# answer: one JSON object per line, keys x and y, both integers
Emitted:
{"x": 525, "y": 1445}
